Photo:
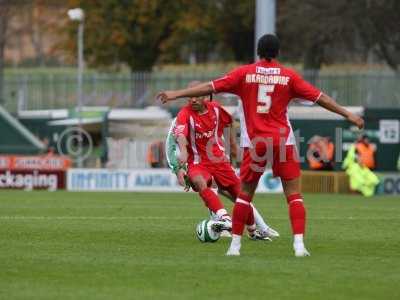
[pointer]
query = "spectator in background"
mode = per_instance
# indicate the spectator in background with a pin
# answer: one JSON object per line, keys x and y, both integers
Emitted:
{"x": 320, "y": 153}
{"x": 362, "y": 179}
{"x": 155, "y": 154}
{"x": 50, "y": 150}
{"x": 366, "y": 152}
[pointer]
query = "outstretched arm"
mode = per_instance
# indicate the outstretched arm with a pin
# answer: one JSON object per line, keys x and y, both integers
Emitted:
{"x": 202, "y": 89}
{"x": 328, "y": 103}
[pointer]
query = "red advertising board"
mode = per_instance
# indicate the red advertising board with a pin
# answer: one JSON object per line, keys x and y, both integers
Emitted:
{"x": 5, "y": 162}
{"x": 33, "y": 172}
{"x": 38, "y": 162}
{"x": 29, "y": 180}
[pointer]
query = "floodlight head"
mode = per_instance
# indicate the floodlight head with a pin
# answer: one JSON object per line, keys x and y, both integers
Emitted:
{"x": 76, "y": 14}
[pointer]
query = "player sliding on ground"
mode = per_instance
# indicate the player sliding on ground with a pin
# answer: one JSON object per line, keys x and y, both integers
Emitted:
{"x": 198, "y": 131}
{"x": 266, "y": 89}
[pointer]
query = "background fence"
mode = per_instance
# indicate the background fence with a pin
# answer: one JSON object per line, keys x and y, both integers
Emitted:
{"x": 58, "y": 90}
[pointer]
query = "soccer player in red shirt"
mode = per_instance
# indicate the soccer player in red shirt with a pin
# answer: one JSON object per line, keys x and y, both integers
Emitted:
{"x": 266, "y": 89}
{"x": 198, "y": 130}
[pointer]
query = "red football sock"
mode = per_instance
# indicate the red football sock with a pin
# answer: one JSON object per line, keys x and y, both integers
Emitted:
{"x": 251, "y": 224}
{"x": 211, "y": 200}
{"x": 297, "y": 213}
{"x": 250, "y": 217}
{"x": 241, "y": 213}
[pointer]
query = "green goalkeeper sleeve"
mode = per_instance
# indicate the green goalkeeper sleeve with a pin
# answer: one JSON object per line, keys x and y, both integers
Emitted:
{"x": 171, "y": 149}
{"x": 171, "y": 152}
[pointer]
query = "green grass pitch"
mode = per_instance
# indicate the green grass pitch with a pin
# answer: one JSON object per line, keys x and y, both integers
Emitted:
{"x": 142, "y": 246}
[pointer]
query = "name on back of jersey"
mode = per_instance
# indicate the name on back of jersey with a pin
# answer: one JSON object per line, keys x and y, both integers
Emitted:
{"x": 267, "y": 79}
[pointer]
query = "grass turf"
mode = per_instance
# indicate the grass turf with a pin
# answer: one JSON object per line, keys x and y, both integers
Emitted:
{"x": 142, "y": 246}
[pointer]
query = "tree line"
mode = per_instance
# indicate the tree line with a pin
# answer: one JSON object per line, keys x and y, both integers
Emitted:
{"x": 143, "y": 33}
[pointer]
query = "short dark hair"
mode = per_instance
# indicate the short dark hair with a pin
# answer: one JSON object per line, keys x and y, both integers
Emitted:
{"x": 268, "y": 46}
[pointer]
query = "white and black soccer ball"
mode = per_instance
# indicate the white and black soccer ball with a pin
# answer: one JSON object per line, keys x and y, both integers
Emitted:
{"x": 205, "y": 233}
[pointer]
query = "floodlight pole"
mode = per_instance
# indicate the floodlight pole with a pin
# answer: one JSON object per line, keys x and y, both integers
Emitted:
{"x": 80, "y": 67}
{"x": 265, "y": 20}
{"x": 80, "y": 83}
{"x": 77, "y": 14}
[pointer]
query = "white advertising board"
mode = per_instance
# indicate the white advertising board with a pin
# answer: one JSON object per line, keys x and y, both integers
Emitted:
{"x": 149, "y": 180}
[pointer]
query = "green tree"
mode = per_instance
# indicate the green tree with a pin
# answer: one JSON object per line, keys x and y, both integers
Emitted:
{"x": 326, "y": 31}
{"x": 141, "y": 33}
{"x": 315, "y": 31}
{"x": 126, "y": 31}
{"x": 223, "y": 29}
{"x": 234, "y": 20}
{"x": 378, "y": 22}
{"x": 4, "y": 18}
{"x": 194, "y": 34}
{"x": 7, "y": 13}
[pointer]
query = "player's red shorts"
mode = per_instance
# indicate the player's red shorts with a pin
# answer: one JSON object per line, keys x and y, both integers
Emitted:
{"x": 284, "y": 165}
{"x": 223, "y": 174}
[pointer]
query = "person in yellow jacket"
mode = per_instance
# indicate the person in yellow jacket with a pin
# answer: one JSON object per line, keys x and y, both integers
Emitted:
{"x": 362, "y": 179}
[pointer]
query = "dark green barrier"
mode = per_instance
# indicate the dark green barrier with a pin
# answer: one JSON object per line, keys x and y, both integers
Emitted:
{"x": 388, "y": 150}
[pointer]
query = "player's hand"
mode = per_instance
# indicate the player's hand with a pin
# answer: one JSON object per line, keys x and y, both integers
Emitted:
{"x": 181, "y": 179}
{"x": 183, "y": 157}
{"x": 356, "y": 120}
{"x": 166, "y": 96}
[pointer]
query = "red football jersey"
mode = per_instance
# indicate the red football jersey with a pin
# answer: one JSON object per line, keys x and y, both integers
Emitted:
{"x": 203, "y": 131}
{"x": 266, "y": 89}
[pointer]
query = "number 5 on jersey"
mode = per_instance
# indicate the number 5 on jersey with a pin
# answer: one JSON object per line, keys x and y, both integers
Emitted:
{"x": 264, "y": 99}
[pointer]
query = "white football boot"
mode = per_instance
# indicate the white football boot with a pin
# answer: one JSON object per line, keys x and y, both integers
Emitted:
{"x": 269, "y": 232}
{"x": 233, "y": 252}
{"x": 221, "y": 225}
{"x": 225, "y": 234}
{"x": 300, "y": 250}
{"x": 258, "y": 236}
{"x": 234, "y": 248}
{"x": 298, "y": 246}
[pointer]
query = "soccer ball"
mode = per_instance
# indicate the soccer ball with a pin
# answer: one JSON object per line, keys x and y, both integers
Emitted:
{"x": 205, "y": 233}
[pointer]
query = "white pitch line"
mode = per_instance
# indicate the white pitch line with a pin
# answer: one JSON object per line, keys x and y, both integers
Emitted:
{"x": 91, "y": 218}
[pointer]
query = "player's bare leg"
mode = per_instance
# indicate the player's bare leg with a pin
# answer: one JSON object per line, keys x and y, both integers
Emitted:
{"x": 297, "y": 214}
{"x": 241, "y": 213}
{"x": 211, "y": 200}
